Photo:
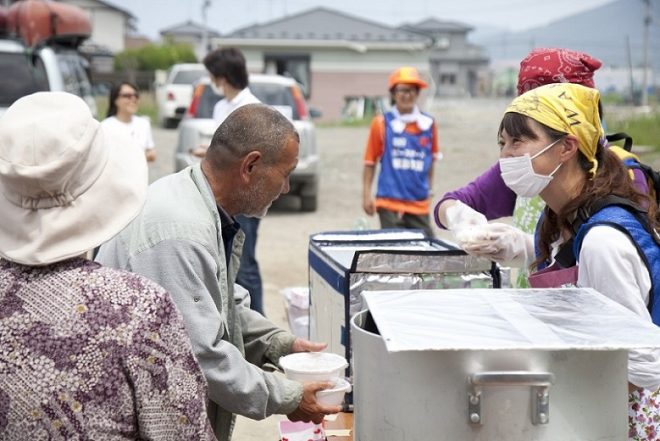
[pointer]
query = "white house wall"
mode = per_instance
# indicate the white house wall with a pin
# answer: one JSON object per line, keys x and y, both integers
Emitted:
{"x": 108, "y": 29}
{"x": 108, "y": 25}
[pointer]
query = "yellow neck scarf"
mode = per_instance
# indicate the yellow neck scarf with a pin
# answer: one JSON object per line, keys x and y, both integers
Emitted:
{"x": 568, "y": 108}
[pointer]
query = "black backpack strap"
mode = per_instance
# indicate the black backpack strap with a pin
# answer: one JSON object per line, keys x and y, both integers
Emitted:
{"x": 621, "y": 136}
{"x": 654, "y": 177}
{"x": 565, "y": 256}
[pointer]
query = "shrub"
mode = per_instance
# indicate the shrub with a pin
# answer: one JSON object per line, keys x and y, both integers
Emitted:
{"x": 154, "y": 56}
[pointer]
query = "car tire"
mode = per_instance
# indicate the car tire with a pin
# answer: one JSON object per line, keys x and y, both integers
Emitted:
{"x": 308, "y": 203}
{"x": 170, "y": 123}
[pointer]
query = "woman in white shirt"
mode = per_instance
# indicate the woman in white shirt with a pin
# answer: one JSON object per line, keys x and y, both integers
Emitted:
{"x": 124, "y": 100}
{"x": 551, "y": 145}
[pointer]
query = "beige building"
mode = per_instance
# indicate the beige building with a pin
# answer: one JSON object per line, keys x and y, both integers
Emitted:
{"x": 110, "y": 24}
{"x": 458, "y": 67}
{"x": 337, "y": 58}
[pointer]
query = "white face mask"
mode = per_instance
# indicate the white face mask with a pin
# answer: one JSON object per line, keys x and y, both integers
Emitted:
{"x": 218, "y": 90}
{"x": 519, "y": 175}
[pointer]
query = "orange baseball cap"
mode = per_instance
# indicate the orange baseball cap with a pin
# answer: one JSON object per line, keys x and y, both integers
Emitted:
{"x": 406, "y": 75}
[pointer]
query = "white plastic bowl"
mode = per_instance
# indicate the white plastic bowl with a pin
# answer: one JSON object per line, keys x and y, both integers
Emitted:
{"x": 313, "y": 366}
{"x": 334, "y": 396}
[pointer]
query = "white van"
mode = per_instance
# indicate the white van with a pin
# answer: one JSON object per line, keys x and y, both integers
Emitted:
{"x": 56, "y": 68}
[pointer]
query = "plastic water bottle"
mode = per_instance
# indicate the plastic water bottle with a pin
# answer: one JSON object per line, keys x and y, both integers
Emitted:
{"x": 361, "y": 224}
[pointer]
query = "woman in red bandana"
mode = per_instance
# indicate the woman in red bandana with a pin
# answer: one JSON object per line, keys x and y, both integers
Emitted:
{"x": 547, "y": 66}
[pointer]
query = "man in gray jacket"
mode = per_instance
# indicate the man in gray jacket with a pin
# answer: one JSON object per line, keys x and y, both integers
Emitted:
{"x": 187, "y": 240}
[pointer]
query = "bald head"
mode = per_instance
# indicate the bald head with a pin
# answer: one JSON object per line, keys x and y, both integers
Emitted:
{"x": 253, "y": 127}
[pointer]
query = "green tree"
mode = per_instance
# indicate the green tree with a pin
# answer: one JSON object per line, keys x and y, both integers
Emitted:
{"x": 154, "y": 56}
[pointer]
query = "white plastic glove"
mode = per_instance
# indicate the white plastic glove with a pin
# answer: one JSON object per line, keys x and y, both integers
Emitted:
{"x": 502, "y": 243}
{"x": 463, "y": 220}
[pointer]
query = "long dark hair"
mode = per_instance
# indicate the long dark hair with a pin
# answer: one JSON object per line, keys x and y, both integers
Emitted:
{"x": 114, "y": 94}
{"x": 611, "y": 178}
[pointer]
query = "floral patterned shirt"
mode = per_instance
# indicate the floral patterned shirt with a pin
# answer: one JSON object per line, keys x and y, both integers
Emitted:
{"x": 94, "y": 353}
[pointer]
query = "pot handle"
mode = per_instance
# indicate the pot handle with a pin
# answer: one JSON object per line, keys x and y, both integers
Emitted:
{"x": 539, "y": 382}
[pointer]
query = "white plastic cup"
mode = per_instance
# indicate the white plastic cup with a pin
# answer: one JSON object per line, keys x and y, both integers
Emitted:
{"x": 335, "y": 395}
{"x": 313, "y": 366}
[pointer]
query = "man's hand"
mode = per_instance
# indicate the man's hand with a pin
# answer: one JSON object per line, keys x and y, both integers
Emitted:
{"x": 308, "y": 409}
{"x": 369, "y": 206}
{"x": 302, "y": 345}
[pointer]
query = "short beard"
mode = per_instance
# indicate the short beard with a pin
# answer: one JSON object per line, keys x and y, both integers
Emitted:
{"x": 249, "y": 199}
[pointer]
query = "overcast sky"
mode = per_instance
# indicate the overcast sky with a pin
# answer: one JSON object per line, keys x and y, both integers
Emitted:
{"x": 228, "y": 15}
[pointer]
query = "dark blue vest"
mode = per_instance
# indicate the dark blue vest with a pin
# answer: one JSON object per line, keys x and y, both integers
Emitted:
{"x": 623, "y": 220}
{"x": 405, "y": 164}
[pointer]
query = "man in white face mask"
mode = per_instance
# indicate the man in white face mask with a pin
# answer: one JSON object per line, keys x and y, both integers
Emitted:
{"x": 229, "y": 78}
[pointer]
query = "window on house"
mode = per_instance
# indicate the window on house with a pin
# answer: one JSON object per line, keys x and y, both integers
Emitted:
{"x": 296, "y": 66}
{"x": 447, "y": 78}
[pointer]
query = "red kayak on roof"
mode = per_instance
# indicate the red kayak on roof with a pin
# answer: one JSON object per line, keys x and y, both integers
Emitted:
{"x": 38, "y": 21}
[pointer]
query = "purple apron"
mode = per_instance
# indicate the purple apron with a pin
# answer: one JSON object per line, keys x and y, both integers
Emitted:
{"x": 554, "y": 277}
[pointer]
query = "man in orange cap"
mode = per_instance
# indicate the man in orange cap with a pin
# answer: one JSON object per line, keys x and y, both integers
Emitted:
{"x": 405, "y": 141}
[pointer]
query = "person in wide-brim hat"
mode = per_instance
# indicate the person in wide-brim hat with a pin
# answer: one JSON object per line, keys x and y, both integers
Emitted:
{"x": 65, "y": 187}
{"x": 93, "y": 352}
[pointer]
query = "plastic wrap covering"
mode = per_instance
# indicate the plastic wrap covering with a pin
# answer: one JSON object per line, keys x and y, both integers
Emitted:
{"x": 545, "y": 319}
{"x": 369, "y": 236}
{"x": 375, "y": 261}
{"x": 386, "y": 282}
{"x": 345, "y": 253}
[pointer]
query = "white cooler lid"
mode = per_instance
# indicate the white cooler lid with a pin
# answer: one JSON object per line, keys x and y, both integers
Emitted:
{"x": 496, "y": 319}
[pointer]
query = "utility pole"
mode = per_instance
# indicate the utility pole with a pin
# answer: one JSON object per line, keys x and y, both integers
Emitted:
{"x": 630, "y": 71}
{"x": 206, "y": 4}
{"x": 647, "y": 29}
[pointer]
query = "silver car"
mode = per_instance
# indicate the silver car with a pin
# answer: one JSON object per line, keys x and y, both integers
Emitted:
{"x": 197, "y": 128}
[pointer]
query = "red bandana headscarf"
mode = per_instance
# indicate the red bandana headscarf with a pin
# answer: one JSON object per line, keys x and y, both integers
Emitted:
{"x": 546, "y": 66}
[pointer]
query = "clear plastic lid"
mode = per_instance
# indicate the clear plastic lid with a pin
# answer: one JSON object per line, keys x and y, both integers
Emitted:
{"x": 495, "y": 319}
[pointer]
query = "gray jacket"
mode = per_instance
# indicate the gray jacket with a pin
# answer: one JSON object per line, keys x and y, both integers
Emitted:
{"x": 176, "y": 242}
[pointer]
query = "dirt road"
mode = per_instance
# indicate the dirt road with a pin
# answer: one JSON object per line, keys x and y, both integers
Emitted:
{"x": 467, "y": 133}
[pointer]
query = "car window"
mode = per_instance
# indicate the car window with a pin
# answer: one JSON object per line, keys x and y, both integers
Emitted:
{"x": 188, "y": 76}
{"x": 69, "y": 78}
{"x": 20, "y": 77}
{"x": 74, "y": 75}
{"x": 78, "y": 66}
{"x": 207, "y": 103}
{"x": 277, "y": 95}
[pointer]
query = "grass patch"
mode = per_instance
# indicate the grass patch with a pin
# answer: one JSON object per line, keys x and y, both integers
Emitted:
{"x": 644, "y": 129}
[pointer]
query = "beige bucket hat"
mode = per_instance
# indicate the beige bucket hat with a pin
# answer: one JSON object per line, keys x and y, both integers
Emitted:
{"x": 65, "y": 185}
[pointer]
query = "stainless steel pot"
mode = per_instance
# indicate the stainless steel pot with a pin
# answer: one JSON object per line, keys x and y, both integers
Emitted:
{"x": 507, "y": 395}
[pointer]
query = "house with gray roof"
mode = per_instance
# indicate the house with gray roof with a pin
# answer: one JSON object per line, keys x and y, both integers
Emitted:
{"x": 191, "y": 33}
{"x": 457, "y": 67}
{"x": 335, "y": 56}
